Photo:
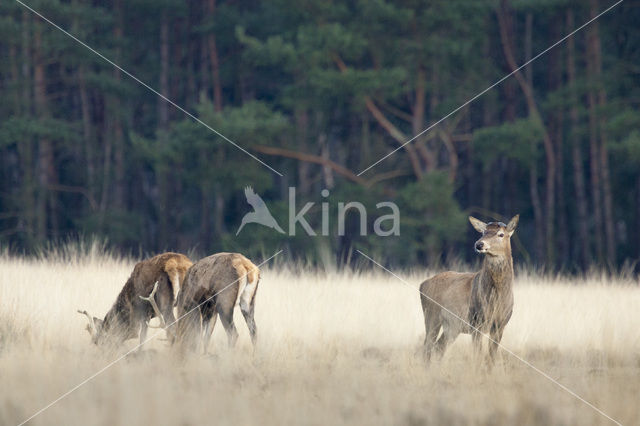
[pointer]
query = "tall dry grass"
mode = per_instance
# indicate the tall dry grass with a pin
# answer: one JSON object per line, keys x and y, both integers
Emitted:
{"x": 335, "y": 348}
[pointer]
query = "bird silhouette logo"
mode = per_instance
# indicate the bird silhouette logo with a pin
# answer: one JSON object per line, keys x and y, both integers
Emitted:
{"x": 260, "y": 213}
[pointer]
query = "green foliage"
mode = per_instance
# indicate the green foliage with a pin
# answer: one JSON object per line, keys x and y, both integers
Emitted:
{"x": 18, "y": 129}
{"x": 123, "y": 228}
{"x": 623, "y": 128}
{"x": 430, "y": 214}
{"x": 252, "y": 123}
{"x": 274, "y": 51}
{"x": 516, "y": 140}
{"x": 629, "y": 148}
{"x": 623, "y": 123}
{"x": 295, "y": 75}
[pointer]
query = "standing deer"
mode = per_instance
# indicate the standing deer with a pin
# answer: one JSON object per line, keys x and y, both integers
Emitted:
{"x": 149, "y": 292}
{"x": 472, "y": 303}
{"x": 214, "y": 286}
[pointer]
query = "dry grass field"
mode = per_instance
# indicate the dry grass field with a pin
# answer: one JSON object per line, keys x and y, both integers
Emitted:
{"x": 335, "y": 348}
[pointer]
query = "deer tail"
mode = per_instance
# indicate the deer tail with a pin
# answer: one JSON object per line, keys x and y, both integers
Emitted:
{"x": 248, "y": 275}
{"x": 176, "y": 269}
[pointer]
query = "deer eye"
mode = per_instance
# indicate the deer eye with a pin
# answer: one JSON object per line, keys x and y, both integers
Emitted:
{"x": 501, "y": 235}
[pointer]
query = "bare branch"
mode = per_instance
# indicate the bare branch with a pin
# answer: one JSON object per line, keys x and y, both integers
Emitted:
{"x": 310, "y": 158}
{"x": 341, "y": 170}
{"x": 453, "y": 155}
{"x": 393, "y": 131}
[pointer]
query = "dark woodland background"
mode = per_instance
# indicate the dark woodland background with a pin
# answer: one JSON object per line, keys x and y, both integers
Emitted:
{"x": 319, "y": 90}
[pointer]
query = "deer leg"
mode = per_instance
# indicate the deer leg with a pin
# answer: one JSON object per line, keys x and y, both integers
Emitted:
{"x": 496, "y": 337}
{"x": 226, "y": 316}
{"x": 247, "y": 312}
{"x": 143, "y": 333}
{"x": 209, "y": 318}
{"x": 188, "y": 330}
{"x": 476, "y": 338}
{"x": 164, "y": 300}
{"x": 449, "y": 333}
{"x": 169, "y": 317}
{"x": 430, "y": 338}
{"x": 208, "y": 331}
{"x": 441, "y": 344}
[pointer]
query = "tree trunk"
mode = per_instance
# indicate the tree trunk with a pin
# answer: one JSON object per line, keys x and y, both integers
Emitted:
{"x": 191, "y": 97}
{"x": 204, "y": 60}
{"x": 15, "y": 79}
{"x": 205, "y": 218}
{"x": 418, "y": 121}
{"x": 46, "y": 166}
{"x": 487, "y": 186}
{"x": 301, "y": 117}
{"x": 205, "y": 188}
{"x": 583, "y": 245}
{"x": 28, "y": 197}
{"x": 603, "y": 156}
{"x": 609, "y": 219}
{"x": 210, "y": 51}
{"x": 86, "y": 116}
{"x": 528, "y": 46}
{"x": 215, "y": 62}
{"x": 452, "y": 153}
{"x": 110, "y": 112}
{"x": 555, "y": 78}
{"x": 540, "y": 237}
{"x": 165, "y": 210}
{"x": 325, "y": 153}
{"x": 220, "y": 202}
{"x": 563, "y": 229}
{"x": 594, "y": 148}
{"x": 106, "y": 166}
{"x": 537, "y": 207}
{"x": 534, "y": 113}
{"x": 85, "y": 106}
{"x": 118, "y": 131}
{"x": 163, "y": 106}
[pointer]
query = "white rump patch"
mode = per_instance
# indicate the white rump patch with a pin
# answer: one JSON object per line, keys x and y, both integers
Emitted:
{"x": 175, "y": 283}
{"x": 246, "y": 292}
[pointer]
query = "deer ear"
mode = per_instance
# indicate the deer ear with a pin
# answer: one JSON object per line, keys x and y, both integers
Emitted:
{"x": 511, "y": 226}
{"x": 479, "y": 225}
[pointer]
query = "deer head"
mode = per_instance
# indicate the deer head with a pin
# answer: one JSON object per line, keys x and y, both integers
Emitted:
{"x": 496, "y": 236}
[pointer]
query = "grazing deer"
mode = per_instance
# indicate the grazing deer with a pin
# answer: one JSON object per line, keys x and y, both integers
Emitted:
{"x": 214, "y": 286}
{"x": 149, "y": 292}
{"x": 472, "y": 303}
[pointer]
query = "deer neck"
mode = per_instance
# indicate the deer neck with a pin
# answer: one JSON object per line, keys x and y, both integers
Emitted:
{"x": 119, "y": 316}
{"x": 497, "y": 272}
